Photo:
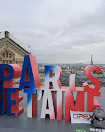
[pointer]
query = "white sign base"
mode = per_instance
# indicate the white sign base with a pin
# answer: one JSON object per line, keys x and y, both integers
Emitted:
{"x": 81, "y": 117}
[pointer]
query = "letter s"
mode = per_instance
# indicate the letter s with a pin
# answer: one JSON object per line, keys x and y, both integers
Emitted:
{"x": 97, "y": 84}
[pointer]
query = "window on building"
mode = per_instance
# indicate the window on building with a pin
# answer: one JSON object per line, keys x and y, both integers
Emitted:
{"x": 3, "y": 54}
{"x": 7, "y": 61}
{"x": 10, "y": 55}
{"x": 3, "y": 61}
{"x": 7, "y": 54}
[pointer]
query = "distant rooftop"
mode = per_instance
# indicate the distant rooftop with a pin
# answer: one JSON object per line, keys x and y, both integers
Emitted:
{"x": 6, "y": 34}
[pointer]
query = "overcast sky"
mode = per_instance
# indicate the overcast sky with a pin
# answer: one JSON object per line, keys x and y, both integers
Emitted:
{"x": 58, "y": 31}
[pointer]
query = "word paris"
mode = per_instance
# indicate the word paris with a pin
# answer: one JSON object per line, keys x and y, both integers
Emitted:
{"x": 52, "y": 103}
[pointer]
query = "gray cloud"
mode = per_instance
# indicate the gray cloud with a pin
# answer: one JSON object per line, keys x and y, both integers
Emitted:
{"x": 58, "y": 31}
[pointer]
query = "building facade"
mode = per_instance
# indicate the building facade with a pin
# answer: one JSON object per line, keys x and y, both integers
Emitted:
{"x": 11, "y": 50}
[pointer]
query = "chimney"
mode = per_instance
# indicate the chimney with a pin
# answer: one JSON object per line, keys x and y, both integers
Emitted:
{"x": 6, "y": 34}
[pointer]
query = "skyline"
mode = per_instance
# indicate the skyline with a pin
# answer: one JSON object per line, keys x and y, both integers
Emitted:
{"x": 58, "y": 31}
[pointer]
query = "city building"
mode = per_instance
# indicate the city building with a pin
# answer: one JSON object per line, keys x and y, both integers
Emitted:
{"x": 11, "y": 50}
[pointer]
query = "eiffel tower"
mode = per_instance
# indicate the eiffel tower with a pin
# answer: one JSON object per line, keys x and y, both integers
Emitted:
{"x": 91, "y": 63}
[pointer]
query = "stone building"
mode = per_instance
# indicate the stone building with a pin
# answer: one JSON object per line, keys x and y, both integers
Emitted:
{"x": 11, "y": 50}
